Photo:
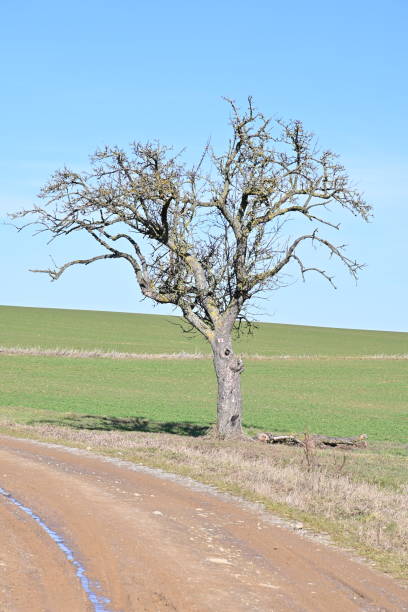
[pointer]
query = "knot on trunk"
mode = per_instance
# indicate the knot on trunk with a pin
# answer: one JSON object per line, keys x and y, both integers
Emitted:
{"x": 225, "y": 357}
{"x": 237, "y": 365}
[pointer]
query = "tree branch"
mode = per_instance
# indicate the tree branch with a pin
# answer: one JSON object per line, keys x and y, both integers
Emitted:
{"x": 56, "y": 273}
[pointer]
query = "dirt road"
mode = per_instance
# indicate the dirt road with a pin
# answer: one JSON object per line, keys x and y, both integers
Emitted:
{"x": 78, "y": 533}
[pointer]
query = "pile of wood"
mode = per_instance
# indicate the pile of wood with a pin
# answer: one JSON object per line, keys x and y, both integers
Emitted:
{"x": 313, "y": 440}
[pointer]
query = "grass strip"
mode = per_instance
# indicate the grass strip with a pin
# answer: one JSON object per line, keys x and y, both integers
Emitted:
{"x": 99, "y": 354}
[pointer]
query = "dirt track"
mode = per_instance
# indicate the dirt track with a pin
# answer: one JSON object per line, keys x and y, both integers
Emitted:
{"x": 154, "y": 544}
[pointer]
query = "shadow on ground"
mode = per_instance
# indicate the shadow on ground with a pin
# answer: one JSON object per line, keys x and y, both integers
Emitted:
{"x": 109, "y": 423}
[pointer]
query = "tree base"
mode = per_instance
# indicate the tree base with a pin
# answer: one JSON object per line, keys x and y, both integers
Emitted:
{"x": 213, "y": 434}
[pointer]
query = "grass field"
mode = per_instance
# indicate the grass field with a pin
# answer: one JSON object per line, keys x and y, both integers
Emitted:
{"x": 342, "y": 397}
{"x": 111, "y": 331}
{"x": 331, "y": 395}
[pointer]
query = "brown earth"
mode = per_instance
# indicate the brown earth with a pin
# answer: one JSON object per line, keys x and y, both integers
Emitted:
{"x": 158, "y": 544}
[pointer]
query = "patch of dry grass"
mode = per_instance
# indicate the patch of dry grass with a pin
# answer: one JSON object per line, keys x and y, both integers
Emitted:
{"x": 318, "y": 488}
{"x": 95, "y": 353}
{"x": 98, "y": 353}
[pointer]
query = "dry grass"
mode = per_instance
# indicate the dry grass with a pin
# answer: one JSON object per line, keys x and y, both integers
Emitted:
{"x": 95, "y": 353}
{"x": 98, "y": 353}
{"x": 313, "y": 486}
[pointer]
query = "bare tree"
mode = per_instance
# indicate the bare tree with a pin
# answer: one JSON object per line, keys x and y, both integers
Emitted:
{"x": 210, "y": 237}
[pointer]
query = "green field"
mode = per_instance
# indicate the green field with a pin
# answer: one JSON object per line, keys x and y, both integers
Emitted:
{"x": 329, "y": 395}
{"x": 112, "y": 331}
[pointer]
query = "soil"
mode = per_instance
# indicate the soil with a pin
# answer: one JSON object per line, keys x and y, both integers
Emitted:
{"x": 149, "y": 543}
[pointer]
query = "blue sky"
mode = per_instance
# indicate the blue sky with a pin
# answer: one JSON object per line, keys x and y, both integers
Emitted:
{"x": 79, "y": 75}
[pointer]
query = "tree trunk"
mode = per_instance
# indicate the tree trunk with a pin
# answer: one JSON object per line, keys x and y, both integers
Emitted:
{"x": 228, "y": 368}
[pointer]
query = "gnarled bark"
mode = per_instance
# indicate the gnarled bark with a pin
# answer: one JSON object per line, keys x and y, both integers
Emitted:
{"x": 228, "y": 368}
